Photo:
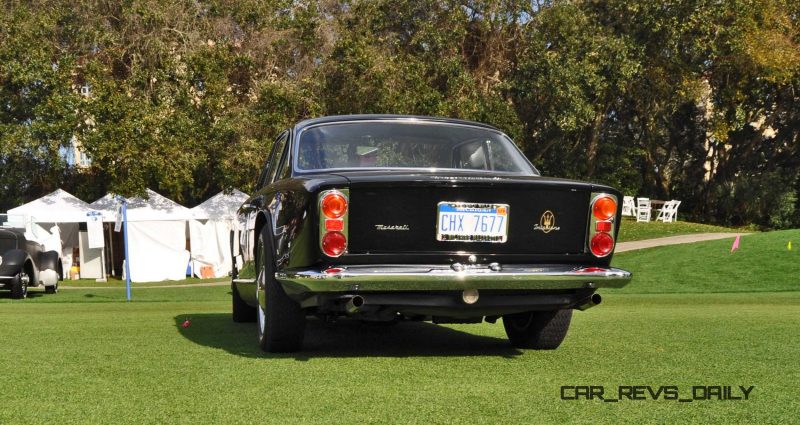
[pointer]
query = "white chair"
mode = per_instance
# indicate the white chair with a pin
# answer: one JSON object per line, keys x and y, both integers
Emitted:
{"x": 643, "y": 209}
{"x": 665, "y": 213}
{"x": 669, "y": 213}
{"x": 628, "y": 206}
{"x": 675, "y": 205}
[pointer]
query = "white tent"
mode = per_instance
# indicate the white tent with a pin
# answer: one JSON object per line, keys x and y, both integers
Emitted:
{"x": 53, "y": 220}
{"x": 156, "y": 236}
{"x": 210, "y": 231}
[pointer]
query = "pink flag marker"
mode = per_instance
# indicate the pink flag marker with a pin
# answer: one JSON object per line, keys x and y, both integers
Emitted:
{"x": 736, "y": 243}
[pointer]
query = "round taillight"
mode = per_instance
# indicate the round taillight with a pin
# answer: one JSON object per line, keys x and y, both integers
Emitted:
{"x": 604, "y": 208}
{"x": 602, "y": 244}
{"x": 334, "y": 205}
{"x": 334, "y": 244}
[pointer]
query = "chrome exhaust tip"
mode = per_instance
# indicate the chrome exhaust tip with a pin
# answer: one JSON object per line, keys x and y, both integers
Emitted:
{"x": 470, "y": 296}
{"x": 590, "y": 302}
{"x": 354, "y": 304}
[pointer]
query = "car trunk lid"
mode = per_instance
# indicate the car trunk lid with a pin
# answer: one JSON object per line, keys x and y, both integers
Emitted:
{"x": 398, "y": 213}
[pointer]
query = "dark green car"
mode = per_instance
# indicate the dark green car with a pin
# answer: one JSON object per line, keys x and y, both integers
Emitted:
{"x": 392, "y": 218}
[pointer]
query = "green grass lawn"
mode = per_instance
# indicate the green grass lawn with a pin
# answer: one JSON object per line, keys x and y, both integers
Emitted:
{"x": 86, "y": 356}
{"x": 631, "y": 230}
{"x": 762, "y": 263}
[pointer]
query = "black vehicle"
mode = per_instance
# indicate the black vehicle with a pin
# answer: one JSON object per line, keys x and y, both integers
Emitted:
{"x": 25, "y": 263}
{"x": 390, "y": 218}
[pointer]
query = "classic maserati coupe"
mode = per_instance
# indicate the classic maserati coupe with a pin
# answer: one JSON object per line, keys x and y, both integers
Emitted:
{"x": 387, "y": 218}
{"x": 25, "y": 263}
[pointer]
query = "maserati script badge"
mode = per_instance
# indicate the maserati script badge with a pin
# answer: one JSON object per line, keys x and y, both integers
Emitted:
{"x": 547, "y": 223}
{"x": 392, "y": 227}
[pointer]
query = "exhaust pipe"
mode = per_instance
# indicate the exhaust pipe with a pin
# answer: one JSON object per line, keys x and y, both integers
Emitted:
{"x": 590, "y": 302}
{"x": 354, "y": 304}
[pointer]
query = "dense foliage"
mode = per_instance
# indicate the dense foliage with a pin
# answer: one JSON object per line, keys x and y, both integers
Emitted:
{"x": 695, "y": 100}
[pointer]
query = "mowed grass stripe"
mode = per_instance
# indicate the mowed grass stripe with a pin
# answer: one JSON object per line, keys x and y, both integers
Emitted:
{"x": 762, "y": 263}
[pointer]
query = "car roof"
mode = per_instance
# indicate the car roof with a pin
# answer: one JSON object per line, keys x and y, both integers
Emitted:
{"x": 11, "y": 231}
{"x": 386, "y": 117}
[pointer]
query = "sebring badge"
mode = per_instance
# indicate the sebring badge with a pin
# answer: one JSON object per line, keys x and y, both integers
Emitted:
{"x": 392, "y": 227}
{"x": 547, "y": 223}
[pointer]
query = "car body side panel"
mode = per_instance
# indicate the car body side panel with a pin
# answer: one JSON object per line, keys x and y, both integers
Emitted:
{"x": 288, "y": 207}
{"x": 13, "y": 262}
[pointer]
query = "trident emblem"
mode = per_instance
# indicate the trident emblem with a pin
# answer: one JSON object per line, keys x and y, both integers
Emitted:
{"x": 548, "y": 221}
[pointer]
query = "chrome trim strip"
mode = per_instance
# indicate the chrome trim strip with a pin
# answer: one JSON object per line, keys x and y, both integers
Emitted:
{"x": 244, "y": 280}
{"x": 443, "y": 277}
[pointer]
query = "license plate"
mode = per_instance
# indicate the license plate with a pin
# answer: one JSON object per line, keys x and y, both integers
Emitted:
{"x": 472, "y": 222}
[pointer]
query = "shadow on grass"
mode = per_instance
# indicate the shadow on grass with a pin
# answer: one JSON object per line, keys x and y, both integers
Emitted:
{"x": 32, "y": 293}
{"x": 346, "y": 338}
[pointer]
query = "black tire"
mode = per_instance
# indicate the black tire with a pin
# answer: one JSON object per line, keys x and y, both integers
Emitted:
{"x": 51, "y": 289}
{"x": 19, "y": 286}
{"x": 242, "y": 312}
{"x": 539, "y": 330}
{"x": 281, "y": 321}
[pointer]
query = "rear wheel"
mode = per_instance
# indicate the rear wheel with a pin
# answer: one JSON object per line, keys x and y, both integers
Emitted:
{"x": 19, "y": 286}
{"x": 539, "y": 330}
{"x": 281, "y": 321}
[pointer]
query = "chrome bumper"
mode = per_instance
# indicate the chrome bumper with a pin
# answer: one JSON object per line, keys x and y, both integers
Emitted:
{"x": 444, "y": 278}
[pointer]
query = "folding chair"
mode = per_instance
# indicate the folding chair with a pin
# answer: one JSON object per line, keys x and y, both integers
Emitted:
{"x": 628, "y": 206}
{"x": 665, "y": 213}
{"x": 675, "y": 205}
{"x": 642, "y": 209}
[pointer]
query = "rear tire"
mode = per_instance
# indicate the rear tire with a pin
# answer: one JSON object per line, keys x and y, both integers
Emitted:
{"x": 281, "y": 321}
{"x": 242, "y": 312}
{"x": 51, "y": 289}
{"x": 19, "y": 286}
{"x": 539, "y": 330}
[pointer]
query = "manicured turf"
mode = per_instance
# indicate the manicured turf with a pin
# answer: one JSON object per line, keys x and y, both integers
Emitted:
{"x": 86, "y": 356}
{"x": 762, "y": 263}
{"x": 631, "y": 230}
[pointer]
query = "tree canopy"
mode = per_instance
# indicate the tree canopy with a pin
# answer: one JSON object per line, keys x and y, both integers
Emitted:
{"x": 695, "y": 100}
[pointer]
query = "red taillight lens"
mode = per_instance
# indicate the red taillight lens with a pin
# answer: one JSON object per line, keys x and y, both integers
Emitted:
{"x": 334, "y": 244}
{"x": 334, "y": 205}
{"x": 603, "y": 226}
{"x": 334, "y": 225}
{"x": 604, "y": 208}
{"x": 602, "y": 244}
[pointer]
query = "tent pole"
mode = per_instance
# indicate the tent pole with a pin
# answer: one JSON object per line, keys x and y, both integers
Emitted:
{"x": 111, "y": 251}
{"x": 127, "y": 257}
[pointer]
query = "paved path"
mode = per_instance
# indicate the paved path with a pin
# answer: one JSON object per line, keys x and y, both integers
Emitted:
{"x": 673, "y": 240}
{"x": 621, "y": 247}
{"x": 133, "y": 285}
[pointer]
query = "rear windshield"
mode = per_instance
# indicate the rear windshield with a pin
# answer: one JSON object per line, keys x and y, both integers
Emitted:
{"x": 365, "y": 145}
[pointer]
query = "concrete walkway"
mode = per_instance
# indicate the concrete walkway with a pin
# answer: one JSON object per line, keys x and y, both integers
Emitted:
{"x": 673, "y": 240}
{"x": 621, "y": 247}
{"x": 133, "y": 285}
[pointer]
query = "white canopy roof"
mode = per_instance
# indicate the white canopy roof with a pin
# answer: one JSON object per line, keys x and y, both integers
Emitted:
{"x": 220, "y": 206}
{"x": 155, "y": 208}
{"x": 56, "y": 207}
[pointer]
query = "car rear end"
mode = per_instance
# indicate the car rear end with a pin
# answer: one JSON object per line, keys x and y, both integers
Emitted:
{"x": 450, "y": 247}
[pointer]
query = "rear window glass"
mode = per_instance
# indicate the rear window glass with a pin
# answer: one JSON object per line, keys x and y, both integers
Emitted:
{"x": 365, "y": 145}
